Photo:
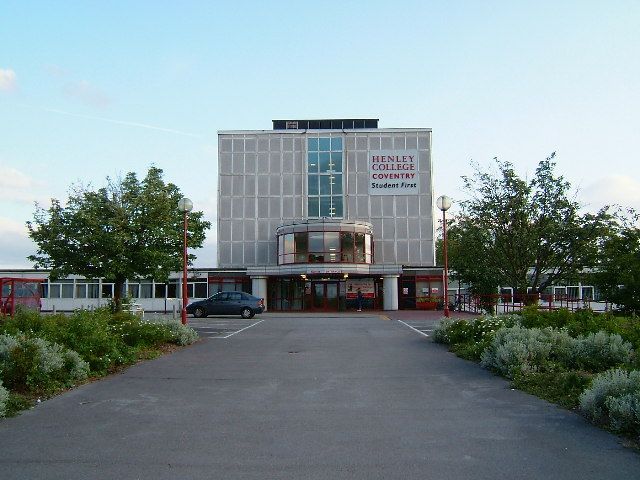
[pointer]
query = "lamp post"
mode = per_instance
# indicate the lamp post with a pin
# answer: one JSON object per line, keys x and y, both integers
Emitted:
{"x": 185, "y": 206}
{"x": 444, "y": 204}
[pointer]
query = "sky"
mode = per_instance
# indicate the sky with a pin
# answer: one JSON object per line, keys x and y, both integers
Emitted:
{"x": 95, "y": 89}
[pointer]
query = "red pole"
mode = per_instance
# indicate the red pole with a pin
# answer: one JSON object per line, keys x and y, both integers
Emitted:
{"x": 185, "y": 294}
{"x": 446, "y": 273}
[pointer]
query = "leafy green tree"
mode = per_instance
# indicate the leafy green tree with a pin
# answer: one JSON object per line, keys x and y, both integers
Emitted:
{"x": 520, "y": 233}
{"x": 128, "y": 229}
{"x": 618, "y": 273}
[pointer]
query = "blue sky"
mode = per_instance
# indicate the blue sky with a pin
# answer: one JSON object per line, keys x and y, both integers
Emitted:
{"x": 96, "y": 89}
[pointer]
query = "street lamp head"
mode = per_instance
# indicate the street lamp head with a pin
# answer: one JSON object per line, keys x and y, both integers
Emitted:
{"x": 444, "y": 203}
{"x": 185, "y": 205}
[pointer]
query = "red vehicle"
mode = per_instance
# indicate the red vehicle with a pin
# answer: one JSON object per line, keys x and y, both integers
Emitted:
{"x": 19, "y": 291}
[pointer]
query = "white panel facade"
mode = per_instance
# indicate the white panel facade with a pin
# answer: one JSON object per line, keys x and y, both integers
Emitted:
{"x": 263, "y": 184}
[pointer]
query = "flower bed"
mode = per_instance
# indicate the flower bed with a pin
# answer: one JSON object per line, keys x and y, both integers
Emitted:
{"x": 580, "y": 360}
{"x": 41, "y": 355}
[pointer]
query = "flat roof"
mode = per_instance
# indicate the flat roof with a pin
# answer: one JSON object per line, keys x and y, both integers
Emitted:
{"x": 326, "y": 124}
{"x": 339, "y": 130}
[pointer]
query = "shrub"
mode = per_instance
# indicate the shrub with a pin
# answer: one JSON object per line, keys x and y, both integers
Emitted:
{"x": 135, "y": 332}
{"x": 463, "y": 331}
{"x": 180, "y": 334}
{"x": 4, "y": 398}
{"x": 7, "y": 344}
{"x": 613, "y": 399}
{"x": 88, "y": 334}
{"x": 29, "y": 322}
{"x": 517, "y": 349}
{"x": 452, "y": 331}
{"x": 624, "y": 413}
{"x": 532, "y": 317}
{"x": 600, "y": 351}
{"x": 34, "y": 364}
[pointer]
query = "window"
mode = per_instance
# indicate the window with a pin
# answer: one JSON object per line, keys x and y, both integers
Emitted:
{"x": 134, "y": 290}
{"x": 573, "y": 293}
{"x": 359, "y": 250}
{"x": 324, "y": 177}
{"x": 107, "y": 290}
{"x": 587, "y": 293}
{"x": 332, "y": 246}
{"x": 346, "y": 240}
{"x": 197, "y": 288}
{"x": 321, "y": 247}
{"x": 235, "y": 296}
{"x": 160, "y": 290}
{"x": 146, "y": 290}
{"x": 301, "y": 247}
{"x": 227, "y": 284}
{"x": 172, "y": 289}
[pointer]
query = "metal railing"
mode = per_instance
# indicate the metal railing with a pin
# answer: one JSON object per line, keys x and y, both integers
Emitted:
{"x": 513, "y": 303}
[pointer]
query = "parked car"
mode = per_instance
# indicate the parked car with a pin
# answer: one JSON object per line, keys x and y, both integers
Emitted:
{"x": 227, "y": 303}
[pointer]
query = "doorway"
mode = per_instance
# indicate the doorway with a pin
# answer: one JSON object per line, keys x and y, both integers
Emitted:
{"x": 324, "y": 296}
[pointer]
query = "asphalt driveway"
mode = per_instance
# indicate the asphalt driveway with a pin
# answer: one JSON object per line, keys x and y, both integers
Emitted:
{"x": 308, "y": 397}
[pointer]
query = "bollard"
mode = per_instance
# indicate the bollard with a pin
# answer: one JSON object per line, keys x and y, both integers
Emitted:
{"x": 54, "y": 309}
{"x": 174, "y": 312}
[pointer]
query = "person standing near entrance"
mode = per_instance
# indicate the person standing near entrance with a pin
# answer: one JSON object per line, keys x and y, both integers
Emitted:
{"x": 359, "y": 300}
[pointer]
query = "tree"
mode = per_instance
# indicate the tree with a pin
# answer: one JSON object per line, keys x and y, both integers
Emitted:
{"x": 522, "y": 234}
{"x": 128, "y": 229}
{"x": 618, "y": 273}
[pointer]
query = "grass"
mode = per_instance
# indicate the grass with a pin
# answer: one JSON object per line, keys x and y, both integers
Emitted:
{"x": 562, "y": 388}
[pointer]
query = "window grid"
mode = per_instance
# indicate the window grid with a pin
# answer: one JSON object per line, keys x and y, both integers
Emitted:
{"x": 324, "y": 177}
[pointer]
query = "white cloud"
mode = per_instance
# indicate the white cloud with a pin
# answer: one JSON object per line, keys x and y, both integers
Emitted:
{"x": 12, "y": 227}
{"x": 16, "y": 186}
{"x": 613, "y": 189}
{"x": 15, "y": 244}
{"x": 8, "y": 80}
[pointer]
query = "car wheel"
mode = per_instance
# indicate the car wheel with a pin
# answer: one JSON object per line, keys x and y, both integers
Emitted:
{"x": 199, "y": 313}
{"x": 246, "y": 312}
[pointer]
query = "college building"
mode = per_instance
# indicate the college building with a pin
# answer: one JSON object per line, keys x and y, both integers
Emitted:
{"x": 309, "y": 213}
{"x": 312, "y": 211}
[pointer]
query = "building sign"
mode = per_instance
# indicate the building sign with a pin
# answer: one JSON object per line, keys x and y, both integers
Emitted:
{"x": 365, "y": 285}
{"x": 393, "y": 172}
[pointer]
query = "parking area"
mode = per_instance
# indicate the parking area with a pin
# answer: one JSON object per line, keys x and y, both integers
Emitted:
{"x": 221, "y": 327}
{"x": 422, "y": 327}
{"x": 307, "y": 397}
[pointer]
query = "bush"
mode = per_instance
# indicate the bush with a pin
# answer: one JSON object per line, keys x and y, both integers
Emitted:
{"x": 29, "y": 322}
{"x": 532, "y": 317}
{"x": 454, "y": 332}
{"x": 516, "y": 350}
{"x": 137, "y": 333}
{"x": 614, "y": 400}
{"x": 4, "y": 398}
{"x": 88, "y": 333}
{"x": 600, "y": 351}
{"x": 34, "y": 364}
{"x": 180, "y": 334}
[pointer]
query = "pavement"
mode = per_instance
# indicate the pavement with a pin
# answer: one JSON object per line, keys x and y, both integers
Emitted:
{"x": 353, "y": 396}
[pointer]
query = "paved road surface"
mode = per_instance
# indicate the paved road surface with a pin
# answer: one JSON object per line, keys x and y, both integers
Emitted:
{"x": 306, "y": 397}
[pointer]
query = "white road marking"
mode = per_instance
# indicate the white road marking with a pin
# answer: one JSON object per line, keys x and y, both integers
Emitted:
{"x": 260, "y": 321}
{"x": 414, "y": 329}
